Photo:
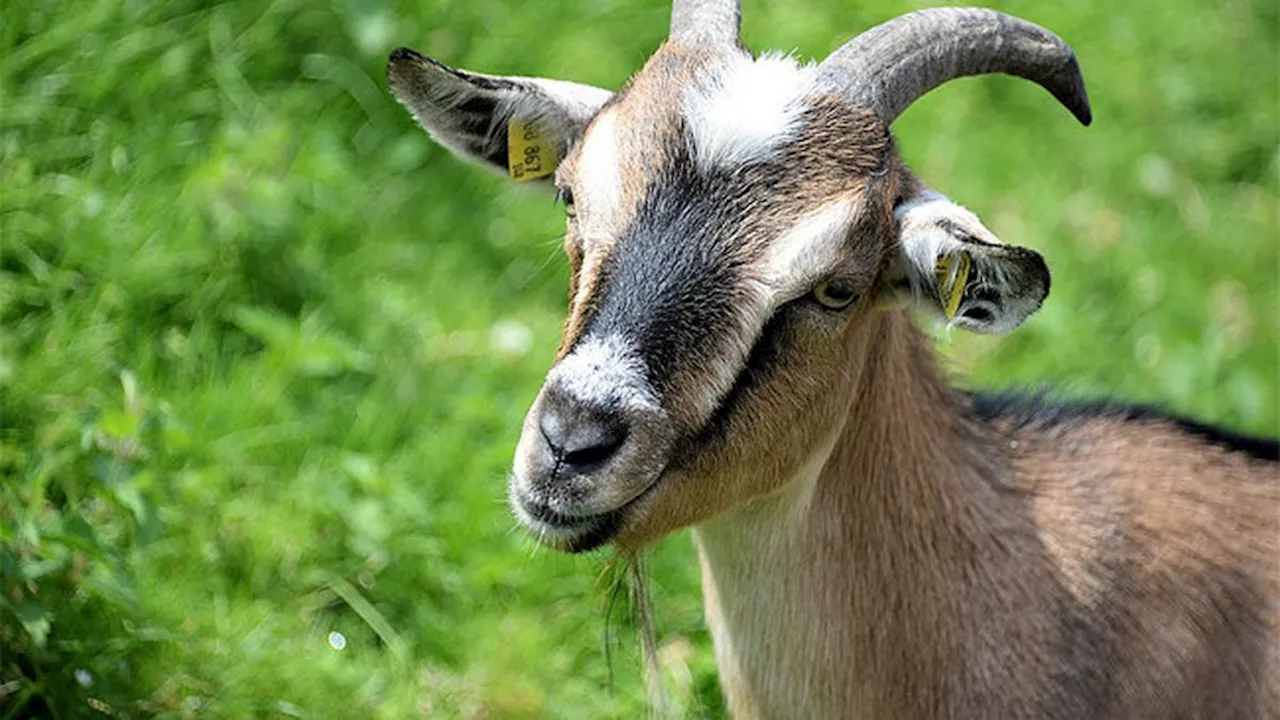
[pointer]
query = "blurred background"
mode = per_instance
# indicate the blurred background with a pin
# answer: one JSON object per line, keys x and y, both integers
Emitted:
{"x": 265, "y": 349}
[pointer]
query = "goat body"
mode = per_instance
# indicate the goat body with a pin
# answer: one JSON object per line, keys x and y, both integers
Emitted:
{"x": 943, "y": 556}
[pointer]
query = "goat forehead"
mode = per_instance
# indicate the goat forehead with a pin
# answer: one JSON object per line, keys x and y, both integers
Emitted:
{"x": 730, "y": 109}
{"x": 741, "y": 110}
{"x": 782, "y": 140}
{"x": 627, "y": 165}
{"x": 726, "y": 113}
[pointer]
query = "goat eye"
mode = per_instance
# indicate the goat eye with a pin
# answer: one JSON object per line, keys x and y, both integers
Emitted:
{"x": 834, "y": 295}
{"x": 564, "y": 196}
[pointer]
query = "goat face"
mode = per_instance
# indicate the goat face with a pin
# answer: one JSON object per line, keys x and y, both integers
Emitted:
{"x": 734, "y": 223}
{"x": 722, "y": 246}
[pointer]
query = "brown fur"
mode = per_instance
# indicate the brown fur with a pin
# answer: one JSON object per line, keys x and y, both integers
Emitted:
{"x": 940, "y": 567}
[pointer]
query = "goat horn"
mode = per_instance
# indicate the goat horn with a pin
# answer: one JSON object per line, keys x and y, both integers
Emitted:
{"x": 890, "y": 66}
{"x": 696, "y": 22}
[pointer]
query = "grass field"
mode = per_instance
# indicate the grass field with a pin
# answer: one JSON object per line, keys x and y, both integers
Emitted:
{"x": 265, "y": 349}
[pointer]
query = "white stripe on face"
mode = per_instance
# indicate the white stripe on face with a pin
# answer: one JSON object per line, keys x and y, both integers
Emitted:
{"x": 599, "y": 181}
{"x": 803, "y": 255}
{"x": 745, "y": 109}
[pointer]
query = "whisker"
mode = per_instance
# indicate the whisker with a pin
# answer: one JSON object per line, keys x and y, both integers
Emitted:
{"x": 643, "y": 608}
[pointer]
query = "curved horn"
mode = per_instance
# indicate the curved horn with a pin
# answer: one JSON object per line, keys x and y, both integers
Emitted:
{"x": 696, "y": 22}
{"x": 891, "y": 65}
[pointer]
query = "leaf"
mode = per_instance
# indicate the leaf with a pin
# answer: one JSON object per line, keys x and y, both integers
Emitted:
{"x": 128, "y": 495}
{"x": 112, "y": 584}
{"x": 34, "y": 620}
{"x": 118, "y": 424}
{"x": 270, "y": 329}
{"x": 308, "y": 347}
{"x": 371, "y": 616}
{"x": 33, "y": 570}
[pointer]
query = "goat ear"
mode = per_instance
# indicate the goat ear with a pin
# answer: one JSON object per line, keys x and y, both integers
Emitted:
{"x": 952, "y": 265}
{"x": 520, "y": 126}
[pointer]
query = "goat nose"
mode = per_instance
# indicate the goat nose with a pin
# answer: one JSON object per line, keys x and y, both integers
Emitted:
{"x": 580, "y": 437}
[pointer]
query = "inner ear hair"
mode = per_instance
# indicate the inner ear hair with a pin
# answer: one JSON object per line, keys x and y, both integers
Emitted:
{"x": 474, "y": 114}
{"x": 955, "y": 268}
{"x": 1007, "y": 284}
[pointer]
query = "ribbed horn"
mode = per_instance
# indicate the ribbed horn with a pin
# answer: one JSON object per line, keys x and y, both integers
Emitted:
{"x": 890, "y": 66}
{"x": 698, "y": 22}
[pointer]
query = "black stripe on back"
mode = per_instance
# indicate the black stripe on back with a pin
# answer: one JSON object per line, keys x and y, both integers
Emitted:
{"x": 1037, "y": 409}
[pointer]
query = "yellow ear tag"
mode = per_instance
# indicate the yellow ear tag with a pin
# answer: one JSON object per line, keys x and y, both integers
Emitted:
{"x": 953, "y": 276}
{"x": 529, "y": 155}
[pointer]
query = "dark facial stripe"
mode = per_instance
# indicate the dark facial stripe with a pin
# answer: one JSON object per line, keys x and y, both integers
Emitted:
{"x": 671, "y": 284}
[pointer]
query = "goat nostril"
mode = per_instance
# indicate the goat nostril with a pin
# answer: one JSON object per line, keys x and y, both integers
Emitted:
{"x": 580, "y": 436}
{"x": 595, "y": 448}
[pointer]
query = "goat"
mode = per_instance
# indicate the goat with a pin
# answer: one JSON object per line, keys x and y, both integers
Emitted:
{"x": 740, "y": 356}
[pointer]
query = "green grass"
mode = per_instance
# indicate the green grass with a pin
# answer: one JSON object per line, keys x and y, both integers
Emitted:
{"x": 265, "y": 349}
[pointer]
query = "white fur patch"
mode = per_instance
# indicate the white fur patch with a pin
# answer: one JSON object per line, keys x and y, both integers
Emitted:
{"x": 797, "y": 260}
{"x": 924, "y": 239}
{"x": 802, "y": 255}
{"x": 746, "y": 108}
{"x": 579, "y": 102}
{"x": 602, "y": 372}
{"x": 757, "y": 589}
{"x": 599, "y": 180}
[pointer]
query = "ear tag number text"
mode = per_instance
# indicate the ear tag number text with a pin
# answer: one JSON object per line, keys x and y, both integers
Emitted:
{"x": 953, "y": 276}
{"x": 530, "y": 155}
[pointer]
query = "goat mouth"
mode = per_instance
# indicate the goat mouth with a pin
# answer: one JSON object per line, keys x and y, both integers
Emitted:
{"x": 575, "y": 533}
